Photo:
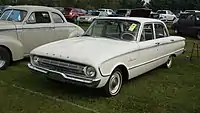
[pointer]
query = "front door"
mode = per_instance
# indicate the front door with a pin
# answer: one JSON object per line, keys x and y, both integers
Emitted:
{"x": 37, "y": 30}
{"x": 148, "y": 51}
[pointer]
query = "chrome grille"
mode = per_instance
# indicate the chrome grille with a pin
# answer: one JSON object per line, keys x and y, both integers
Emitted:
{"x": 62, "y": 66}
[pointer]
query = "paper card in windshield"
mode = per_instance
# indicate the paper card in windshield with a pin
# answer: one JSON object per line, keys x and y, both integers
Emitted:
{"x": 132, "y": 27}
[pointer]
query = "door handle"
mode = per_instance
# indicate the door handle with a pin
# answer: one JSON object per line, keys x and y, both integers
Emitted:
{"x": 158, "y": 43}
{"x": 172, "y": 40}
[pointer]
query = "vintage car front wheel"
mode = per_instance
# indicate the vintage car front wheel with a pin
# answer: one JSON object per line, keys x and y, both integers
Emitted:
{"x": 114, "y": 83}
{"x": 4, "y": 58}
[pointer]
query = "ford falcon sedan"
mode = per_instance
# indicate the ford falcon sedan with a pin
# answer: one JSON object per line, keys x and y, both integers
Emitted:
{"x": 112, "y": 50}
{"x": 23, "y": 28}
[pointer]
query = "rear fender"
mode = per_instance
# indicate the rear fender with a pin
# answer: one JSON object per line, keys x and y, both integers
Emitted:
{"x": 14, "y": 45}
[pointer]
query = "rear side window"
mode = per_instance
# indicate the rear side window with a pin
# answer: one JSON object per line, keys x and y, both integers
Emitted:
{"x": 57, "y": 18}
{"x": 147, "y": 33}
{"x": 160, "y": 31}
{"x": 39, "y": 17}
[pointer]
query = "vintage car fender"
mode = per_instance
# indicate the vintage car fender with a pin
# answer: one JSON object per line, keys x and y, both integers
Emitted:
{"x": 109, "y": 66}
{"x": 15, "y": 47}
{"x": 76, "y": 32}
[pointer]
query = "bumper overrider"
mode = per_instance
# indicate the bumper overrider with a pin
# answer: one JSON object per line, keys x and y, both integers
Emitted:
{"x": 66, "y": 77}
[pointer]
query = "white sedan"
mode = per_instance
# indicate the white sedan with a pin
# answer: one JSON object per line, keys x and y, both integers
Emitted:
{"x": 112, "y": 50}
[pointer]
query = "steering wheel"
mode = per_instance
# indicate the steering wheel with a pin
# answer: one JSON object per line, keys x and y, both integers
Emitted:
{"x": 127, "y": 34}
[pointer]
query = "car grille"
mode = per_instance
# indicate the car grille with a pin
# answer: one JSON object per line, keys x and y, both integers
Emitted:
{"x": 68, "y": 68}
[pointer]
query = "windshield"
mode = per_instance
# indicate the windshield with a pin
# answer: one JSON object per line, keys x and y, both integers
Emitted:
{"x": 161, "y": 12}
{"x": 94, "y": 13}
{"x": 114, "y": 29}
{"x": 14, "y": 15}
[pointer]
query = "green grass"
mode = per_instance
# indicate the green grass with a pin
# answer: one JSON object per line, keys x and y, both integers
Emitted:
{"x": 175, "y": 90}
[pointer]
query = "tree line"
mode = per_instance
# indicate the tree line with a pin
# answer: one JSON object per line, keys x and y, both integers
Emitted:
{"x": 114, "y": 4}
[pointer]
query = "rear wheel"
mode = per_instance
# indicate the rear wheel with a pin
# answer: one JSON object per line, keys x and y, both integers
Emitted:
{"x": 114, "y": 84}
{"x": 169, "y": 62}
{"x": 4, "y": 58}
{"x": 198, "y": 35}
{"x": 176, "y": 31}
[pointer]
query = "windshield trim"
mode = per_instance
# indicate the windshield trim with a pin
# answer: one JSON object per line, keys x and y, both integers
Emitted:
{"x": 11, "y": 12}
{"x": 134, "y": 21}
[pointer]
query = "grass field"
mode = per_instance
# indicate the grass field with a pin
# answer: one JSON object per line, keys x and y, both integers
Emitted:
{"x": 175, "y": 90}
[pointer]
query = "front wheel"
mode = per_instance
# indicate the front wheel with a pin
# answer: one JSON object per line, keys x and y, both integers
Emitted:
{"x": 4, "y": 58}
{"x": 114, "y": 84}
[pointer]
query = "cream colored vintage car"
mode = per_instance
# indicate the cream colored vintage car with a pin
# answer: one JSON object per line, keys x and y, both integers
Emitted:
{"x": 23, "y": 28}
{"x": 112, "y": 50}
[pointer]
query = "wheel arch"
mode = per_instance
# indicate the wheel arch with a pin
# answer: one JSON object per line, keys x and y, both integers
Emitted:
{"x": 124, "y": 70}
{"x": 9, "y": 51}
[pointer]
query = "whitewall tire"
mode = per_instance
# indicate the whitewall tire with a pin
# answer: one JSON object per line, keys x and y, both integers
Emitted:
{"x": 114, "y": 83}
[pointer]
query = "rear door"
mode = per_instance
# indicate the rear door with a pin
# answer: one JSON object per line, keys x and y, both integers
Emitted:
{"x": 162, "y": 38}
{"x": 62, "y": 29}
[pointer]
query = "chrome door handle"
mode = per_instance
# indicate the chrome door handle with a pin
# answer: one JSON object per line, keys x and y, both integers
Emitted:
{"x": 158, "y": 43}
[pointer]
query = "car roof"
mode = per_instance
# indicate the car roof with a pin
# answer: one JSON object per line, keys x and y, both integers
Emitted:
{"x": 138, "y": 19}
{"x": 32, "y": 7}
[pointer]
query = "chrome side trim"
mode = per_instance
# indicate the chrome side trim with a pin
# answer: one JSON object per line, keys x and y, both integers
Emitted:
{"x": 141, "y": 49}
{"x": 155, "y": 59}
{"x": 45, "y": 71}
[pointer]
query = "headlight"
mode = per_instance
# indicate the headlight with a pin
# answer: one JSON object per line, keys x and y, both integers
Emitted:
{"x": 90, "y": 72}
{"x": 35, "y": 59}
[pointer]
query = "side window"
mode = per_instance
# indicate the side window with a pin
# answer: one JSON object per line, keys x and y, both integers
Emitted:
{"x": 57, "y": 18}
{"x": 147, "y": 33}
{"x": 160, "y": 31}
{"x": 39, "y": 17}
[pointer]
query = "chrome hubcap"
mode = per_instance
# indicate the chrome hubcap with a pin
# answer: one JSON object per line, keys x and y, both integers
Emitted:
{"x": 115, "y": 83}
{"x": 198, "y": 35}
{"x": 169, "y": 62}
{"x": 2, "y": 62}
{"x": 176, "y": 31}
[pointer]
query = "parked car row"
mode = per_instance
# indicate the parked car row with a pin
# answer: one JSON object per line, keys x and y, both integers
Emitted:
{"x": 188, "y": 23}
{"x": 111, "y": 51}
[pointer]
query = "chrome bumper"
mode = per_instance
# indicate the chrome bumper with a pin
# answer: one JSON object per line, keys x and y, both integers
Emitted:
{"x": 89, "y": 83}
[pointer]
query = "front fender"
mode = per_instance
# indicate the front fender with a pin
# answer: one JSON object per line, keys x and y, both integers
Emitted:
{"x": 108, "y": 67}
{"x": 14, "y": 45}
{"x": 76, "y": 32}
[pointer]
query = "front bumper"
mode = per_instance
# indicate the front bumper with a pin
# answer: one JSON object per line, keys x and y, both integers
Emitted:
{"x": 65, "y": 78}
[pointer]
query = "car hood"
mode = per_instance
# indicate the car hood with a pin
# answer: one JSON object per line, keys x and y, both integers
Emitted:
{"x": 86, "y": 50}
{"x": 7, "y": 25}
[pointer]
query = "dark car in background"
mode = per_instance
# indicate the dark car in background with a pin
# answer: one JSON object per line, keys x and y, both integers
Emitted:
{"x": 123, "y": 12}
{"x": 140, "y": 12}
{"x": 61, "y": 9}
{"x": 71, "y": 14}
{"x": 188, "y": 24}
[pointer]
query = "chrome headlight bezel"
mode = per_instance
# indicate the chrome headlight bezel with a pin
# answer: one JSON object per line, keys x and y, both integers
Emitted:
{"x": 35, "y": 59}
{"x": 90, "y": 72}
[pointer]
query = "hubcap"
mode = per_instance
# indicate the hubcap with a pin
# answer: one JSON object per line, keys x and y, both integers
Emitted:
{"x": 198, "y": 35}
{"x": 176, "y": 31}
{"x": 115, "y": 83}
{"x": 2, "y": 62}
{"x": 169, "y": 62}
